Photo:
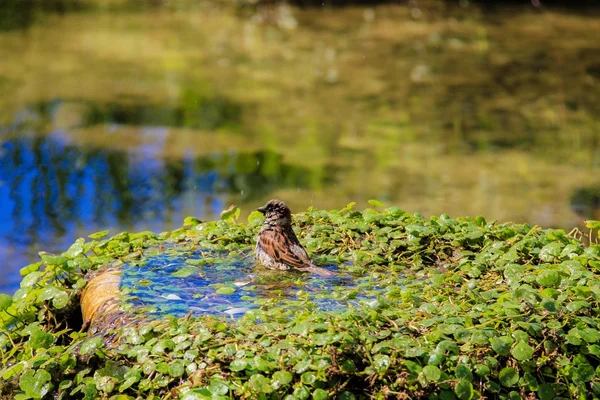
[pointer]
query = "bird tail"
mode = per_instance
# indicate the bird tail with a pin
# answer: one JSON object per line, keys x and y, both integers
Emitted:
{"x": 319, "y": 271}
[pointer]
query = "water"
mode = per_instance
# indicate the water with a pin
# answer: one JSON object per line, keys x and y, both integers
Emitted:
{"x": 134, "y": 117}
{"x": 180, "y": 282}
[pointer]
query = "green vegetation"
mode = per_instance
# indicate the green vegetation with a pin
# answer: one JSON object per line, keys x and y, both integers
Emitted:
{"x": 459, "y": 308}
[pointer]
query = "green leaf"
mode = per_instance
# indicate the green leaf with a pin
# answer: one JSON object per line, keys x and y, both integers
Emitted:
{"x": 5, "y": 301}
{"x": 238, "y": 365}
{"x": 583, "y": 373}
{"x": 90, "y": 345}
{"x": 65, "y": 384}
{"x": 12, "y": 371}
{"x": 39, "y": 338}
{"x": 148, "y": 367}
{"x": 592, "y": 224}
{"x": 482, "y": 369}
{"x": 255, "y": 216}
{"x": 197, "y": 394}
{"x": 594, "y": 349}
{"x": 464, "y": 390}
{"x": 75, "y": 249}
{"x": 59, "y": 297}
{"x": 99, "y": 235}
{"x": 320, "y": 394}
{"x": 260, "y": 384}
{"x": 551, "y": 251}
{"x": 301, "y": 393}
{"x": 261, "y": 364}
{"x": 520, "y": 336}
{"x": 463, "y": 372}
{"x": 30, "y": 268}
{"x": 431, "y": 373}
{"x": 530, "y": 381}
{"x": 231, "y": 214}
{"x": 590, "y": 335}
{"x": 131, "y": 376}
{"x": 225, "y": 290}
{"x": 346, "y": 396}
{"x": 492, "y": 387}
{"x": 184, "y": 272}
{"x": 375, "y": 203}
{"x": 104, "y": 383}
{"x": 574, "y": 337}
{"x": 349, "y": 207}
{"x": 308, "y": 378}
{"x": 500, "y": 346}
{"x": 547, "y": 392}
{"x": 577, "y": 305}
{"x": 35, "y": 384}
{"x": 549, "y": 278}
{"x": 508, "y": 377}
{"x": 281, "y": 378}
{"x": 550, "y": 305}
{"x": 191, "y": 221}
{"x": 51, "y": 259}
{"x": 513, "y": 395}
{"x": 176, "y": 368}
{"x": 218, "y": 387}
{"x": 31, "y": 279}
{"x": 381, "y": 362}
{"x": 522, "y": 351}
{"x": 80, "y": 284}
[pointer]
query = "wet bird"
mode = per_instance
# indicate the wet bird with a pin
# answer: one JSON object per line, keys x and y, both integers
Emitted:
{"x": 277, "y": 246}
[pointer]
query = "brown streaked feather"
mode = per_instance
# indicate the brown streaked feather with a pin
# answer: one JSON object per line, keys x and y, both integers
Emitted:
{"x": 279, "y": 246}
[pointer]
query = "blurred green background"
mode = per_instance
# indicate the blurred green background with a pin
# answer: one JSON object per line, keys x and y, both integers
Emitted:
{"x": 131, "y": 115}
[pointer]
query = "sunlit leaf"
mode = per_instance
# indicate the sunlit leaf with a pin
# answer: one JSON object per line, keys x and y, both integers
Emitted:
{"x": 5, "y": 301}
{"x": 375, "y": 203}
{"x": 522, "y": 351}
{"x": 99, "y": 235}
{"x": 35, "y": 384}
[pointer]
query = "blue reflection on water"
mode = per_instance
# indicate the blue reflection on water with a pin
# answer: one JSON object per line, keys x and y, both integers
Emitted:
{"x": 51, "y": 193}
{"x": 174, "y": 284}
{"x": 54, "y": 190}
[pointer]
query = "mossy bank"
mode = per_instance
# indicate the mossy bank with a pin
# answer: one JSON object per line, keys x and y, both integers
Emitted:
{"x": 453, "y": 308}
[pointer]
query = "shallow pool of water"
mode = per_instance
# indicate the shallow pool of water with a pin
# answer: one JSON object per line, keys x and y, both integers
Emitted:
{"x": 179, "y": 282}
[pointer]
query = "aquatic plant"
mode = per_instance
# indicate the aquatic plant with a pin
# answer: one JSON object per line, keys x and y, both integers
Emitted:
{"x": 452, "y": 308}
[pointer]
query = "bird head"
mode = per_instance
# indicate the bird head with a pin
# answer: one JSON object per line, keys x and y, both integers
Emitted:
{"x": 276, "y": 211}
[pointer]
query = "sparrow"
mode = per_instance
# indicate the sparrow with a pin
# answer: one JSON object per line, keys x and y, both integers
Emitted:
{"x": 277, "y": 246}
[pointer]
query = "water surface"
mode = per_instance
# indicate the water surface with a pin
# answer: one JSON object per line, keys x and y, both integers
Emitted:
{"x": 178, "y": 282}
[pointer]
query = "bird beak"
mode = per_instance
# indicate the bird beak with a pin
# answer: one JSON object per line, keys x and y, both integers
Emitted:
{"x": 262, "y": 209}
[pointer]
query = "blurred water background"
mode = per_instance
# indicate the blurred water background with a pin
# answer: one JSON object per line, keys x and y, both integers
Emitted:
{"x": 131, "y": 115}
